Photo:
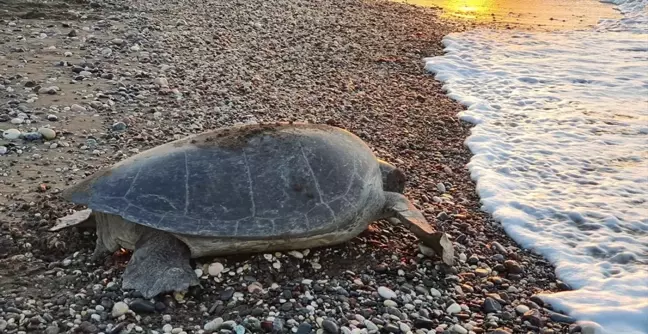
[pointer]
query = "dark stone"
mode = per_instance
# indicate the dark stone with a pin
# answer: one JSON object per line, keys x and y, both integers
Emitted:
{"x": 499, "y": 268}
{"x": 396, "y": 312}
{"x": 330, "y": 326}
{"x": 424, "y": 323}
{"x": 491, "y": 305}
{"x": 563, "y": 286}
{"x": 5, "y": 118}
{"x": 537, "y": 300}
{"x": 498, "y": 258}
{"x": 257, "y": 312}
{"x": 72, "y": 33}
{"x": 142, "y": 306}
{"x": 107, "y": 303}
{"x": 561, "y": 318}
{"x": 31, "y": 136}
{"x": 30, "y": 84}
{"x": 121, "y": 126}
{"x": 287, "y": 306}
{"x": 118, "y": 329}
{"x": 227, "y": 293}
{"x": 159, "y": 306}
{"x": 507, "y": 315}
{"x": 305, "y": 328}
{"x": 87, "y": 327}
{"x": 532, "y": 305}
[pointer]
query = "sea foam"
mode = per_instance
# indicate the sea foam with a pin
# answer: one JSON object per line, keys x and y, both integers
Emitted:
{"x": 561, "y": 153}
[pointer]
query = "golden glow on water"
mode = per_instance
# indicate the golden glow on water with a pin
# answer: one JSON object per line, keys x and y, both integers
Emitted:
{"x": 470, "y": 9}
{"x": 553, "y": 14}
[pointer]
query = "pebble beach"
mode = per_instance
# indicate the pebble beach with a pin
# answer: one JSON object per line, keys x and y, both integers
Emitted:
{"x": 86, "y": 84}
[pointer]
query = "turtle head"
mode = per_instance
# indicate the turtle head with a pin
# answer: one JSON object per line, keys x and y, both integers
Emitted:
{"x": 392, "y": 177}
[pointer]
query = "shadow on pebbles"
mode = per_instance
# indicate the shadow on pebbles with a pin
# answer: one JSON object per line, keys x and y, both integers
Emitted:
{"x": 86, "y": 84}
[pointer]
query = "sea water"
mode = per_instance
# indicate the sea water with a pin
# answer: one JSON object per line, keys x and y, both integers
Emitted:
{"x": 561, "y": 153}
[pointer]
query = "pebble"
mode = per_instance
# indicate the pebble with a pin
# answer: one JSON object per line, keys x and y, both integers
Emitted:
{"x": 51, "y": 330}
{"x": 167, "y": 328}
{"x": 454, "y": 308}
{"x": 78, "y": 108}
{"x": 386, "y": 292}
{"x": 119, "y": 126}
{"x": 161, "y": 82}
{"x": 119, "y": 309}
{"x": 521, "y": 309}
{"x": 11, "y": 134}
{"x": 390, "y": 303}
{"x": 51, "y": 90}
{"x": 330, "y": 326}
{"x": 48, "y": 133}
{"x": 106, "y": 52}
{"x": 213, "y": 325}
{"x": 491, "y": 305}
{"x": 558, "y": 317}
{"x": 500, "y": 330}
{"x": 513, "y": 267}
{"x": 142, "y": 306}
{"x": 304, "y": 328}
{"x": 459, "y": 329}
{"x": 370, "y": 326}
{"x": 215, "y": 269}
{"x": 534, "y": 317}
{"x": 435, "y": 293}
{"x": 3, "y": 150}
{"x": 296, "y": 254}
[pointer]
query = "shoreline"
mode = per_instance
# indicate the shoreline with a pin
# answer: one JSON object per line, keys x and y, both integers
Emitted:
{"x": 354, "y": 64}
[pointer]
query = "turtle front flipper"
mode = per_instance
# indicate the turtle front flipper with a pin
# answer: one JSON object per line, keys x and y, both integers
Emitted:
{"x": 159, "y": 264}
{"x": 398, "y": 206}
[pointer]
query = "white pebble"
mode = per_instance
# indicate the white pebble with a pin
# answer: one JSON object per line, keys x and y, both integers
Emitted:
{"x": 215, "y": 269}
{"x": 458, "y": 329}
{"x": 454, "y": 308}
{"x": 296, "y": 254}
{"x": 119, "y": 309}
{"x": 386, "y": 292}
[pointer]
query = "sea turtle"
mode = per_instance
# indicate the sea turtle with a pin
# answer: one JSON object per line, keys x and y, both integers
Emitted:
{"x": 241, "y": 189}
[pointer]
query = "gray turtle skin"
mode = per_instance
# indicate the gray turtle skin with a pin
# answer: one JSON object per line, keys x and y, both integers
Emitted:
{"x": 251, "y": 188}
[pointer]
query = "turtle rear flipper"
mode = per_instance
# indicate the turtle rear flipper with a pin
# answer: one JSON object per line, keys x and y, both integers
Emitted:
{"x": 83, "y": 218}
{"x": 398, "y": 206}
{"x": 159, "y": 264}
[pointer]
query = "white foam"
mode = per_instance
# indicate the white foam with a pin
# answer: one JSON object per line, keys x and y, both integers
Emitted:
{"x": 561, "y": 153}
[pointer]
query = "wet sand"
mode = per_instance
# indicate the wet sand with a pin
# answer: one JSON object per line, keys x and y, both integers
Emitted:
{"x": 525, "y": 14}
